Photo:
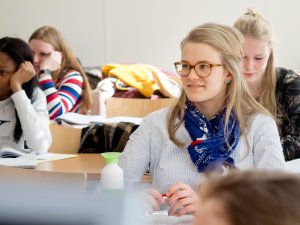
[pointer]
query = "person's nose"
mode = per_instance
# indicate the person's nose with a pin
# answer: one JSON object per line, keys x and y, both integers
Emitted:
{"x": 36, "y": 58}
{"x": 192, "y": 75}
{"x": 248, "y": 64}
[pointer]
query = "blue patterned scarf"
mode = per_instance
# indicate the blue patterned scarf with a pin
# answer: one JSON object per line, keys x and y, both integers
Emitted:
{"x": 209, "y": 149}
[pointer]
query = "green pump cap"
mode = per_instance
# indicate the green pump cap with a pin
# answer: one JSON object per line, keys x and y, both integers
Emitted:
{"x": 111, "y": 157}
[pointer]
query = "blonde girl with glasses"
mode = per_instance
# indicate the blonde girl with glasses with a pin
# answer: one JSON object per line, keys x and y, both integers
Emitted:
{"x": 215, "y": 125}
{"x": 277, "y": 89}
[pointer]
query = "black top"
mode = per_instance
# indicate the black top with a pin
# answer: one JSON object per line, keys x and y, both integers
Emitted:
{"x": 288, "y": 111}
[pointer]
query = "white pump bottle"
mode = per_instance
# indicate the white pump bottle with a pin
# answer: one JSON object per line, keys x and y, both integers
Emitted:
{"x": 111, "y": 174}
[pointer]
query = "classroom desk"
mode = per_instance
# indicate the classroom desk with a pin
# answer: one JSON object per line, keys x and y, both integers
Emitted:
{"x": 91, "y": 164}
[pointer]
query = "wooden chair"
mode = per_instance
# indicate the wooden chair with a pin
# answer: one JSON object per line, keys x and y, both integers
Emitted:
{"x": 65, "y": 139}
{"x": 29, "y": 196}
{"x": 135, "y": 107}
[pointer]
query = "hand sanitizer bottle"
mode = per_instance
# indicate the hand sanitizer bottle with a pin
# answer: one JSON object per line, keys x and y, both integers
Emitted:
{"x": 111, "y": 189}
{"x": 111, "y": 174}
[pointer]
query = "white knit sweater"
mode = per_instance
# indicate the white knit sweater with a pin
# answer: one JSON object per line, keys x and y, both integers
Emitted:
{"x": 150, "y": 144}
{"x": 34, "y": 120}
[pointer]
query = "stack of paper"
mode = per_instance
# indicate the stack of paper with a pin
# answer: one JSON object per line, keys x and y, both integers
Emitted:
{"x": 79, "y": 119}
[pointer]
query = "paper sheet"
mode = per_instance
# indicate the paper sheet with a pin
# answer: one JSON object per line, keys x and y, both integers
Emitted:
{"x": 53, "y": 156}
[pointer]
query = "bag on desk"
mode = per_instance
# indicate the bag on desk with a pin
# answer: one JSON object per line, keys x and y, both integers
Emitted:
{"x": 112, "y": 137}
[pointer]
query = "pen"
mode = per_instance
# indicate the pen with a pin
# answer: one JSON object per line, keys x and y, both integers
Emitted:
{"x": 164, "y": 195}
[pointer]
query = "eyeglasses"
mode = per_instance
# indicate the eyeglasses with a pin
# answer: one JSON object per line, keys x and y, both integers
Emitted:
{"x": 202, "y": 69}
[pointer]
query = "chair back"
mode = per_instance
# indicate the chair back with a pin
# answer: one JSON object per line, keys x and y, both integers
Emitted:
{"x": 136, "y": 107}
{"x": 29, "y": 197}
{"x": 65, "y": 139}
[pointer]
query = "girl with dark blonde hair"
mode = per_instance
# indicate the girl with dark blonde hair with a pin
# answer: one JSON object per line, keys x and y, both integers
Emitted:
{"x": 215, "y": 125}
{"x": 60, "y": 74}
{"x": 277, "y": 89}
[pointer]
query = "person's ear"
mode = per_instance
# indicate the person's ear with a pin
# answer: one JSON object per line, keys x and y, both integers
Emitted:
{"x": 228, "y": 78}
{"x": 270, "y": 51}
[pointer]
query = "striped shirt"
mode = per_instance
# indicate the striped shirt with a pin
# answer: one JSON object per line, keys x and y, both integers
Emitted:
{"x": 150, "y": 145}
{"x": 63, "y": 96}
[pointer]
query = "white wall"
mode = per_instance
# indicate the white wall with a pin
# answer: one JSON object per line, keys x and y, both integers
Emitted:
{"x": 143, "y": 31}
{"x": 80, "y": 21}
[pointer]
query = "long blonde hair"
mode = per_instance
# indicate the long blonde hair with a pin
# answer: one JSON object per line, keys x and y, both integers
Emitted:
{"x": 55, "y": 38}
{"x": 228, "y": 41}
{"x": 252, "y": 24}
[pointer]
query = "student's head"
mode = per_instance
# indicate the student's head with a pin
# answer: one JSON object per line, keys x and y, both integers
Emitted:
{"x": 211, "y": 73}
{"x": 216, "y": 49}
{"x": 250, "y": 198}
{"x": 13, "y": 52}
{"x": 258, "y": 60}
{"x": 47, "y": 39}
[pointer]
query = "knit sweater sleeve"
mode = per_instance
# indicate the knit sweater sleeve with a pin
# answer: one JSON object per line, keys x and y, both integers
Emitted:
{"x": 288, "y": 108}
{"x": 136, "y": 156}
{"x": 267, "y": 149}
{"x": 66, "y": 96}
{"x": 34, "y": 120}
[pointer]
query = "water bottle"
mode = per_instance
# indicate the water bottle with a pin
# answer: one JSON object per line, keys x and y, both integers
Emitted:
{"x": 111, "y": 189}
{"x": 111, "y": 174}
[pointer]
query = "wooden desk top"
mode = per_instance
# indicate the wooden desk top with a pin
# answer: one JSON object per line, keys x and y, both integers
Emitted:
{"x": 91, "y": 164}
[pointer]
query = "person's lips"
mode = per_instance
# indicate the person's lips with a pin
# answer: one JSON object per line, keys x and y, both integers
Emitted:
{"x": 194, "y": 85}
{"x": 37, "y": 68}
{"x": 249, "y": 74}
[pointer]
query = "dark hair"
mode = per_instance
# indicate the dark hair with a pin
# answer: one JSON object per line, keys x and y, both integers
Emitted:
{"x": 19, "y": 51}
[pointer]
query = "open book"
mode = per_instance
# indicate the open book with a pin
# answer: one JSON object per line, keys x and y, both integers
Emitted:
{"x": 7, "y": 151}
{"x": 24, "y": 158}
{"x": 79, "y": 119}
